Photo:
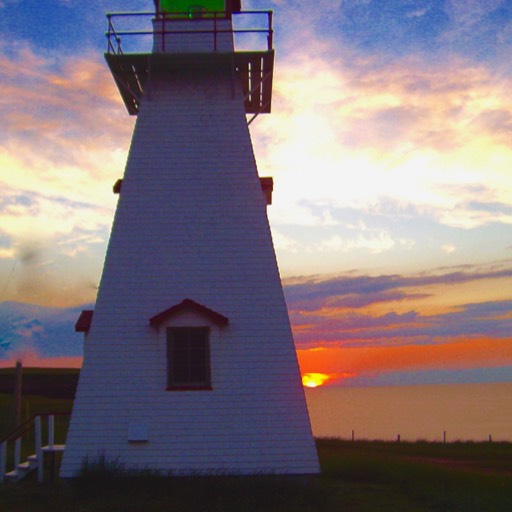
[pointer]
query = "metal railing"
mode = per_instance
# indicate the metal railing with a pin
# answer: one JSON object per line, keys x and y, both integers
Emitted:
{"x": 34, "y": 423}
{"x": 170, "y": 27}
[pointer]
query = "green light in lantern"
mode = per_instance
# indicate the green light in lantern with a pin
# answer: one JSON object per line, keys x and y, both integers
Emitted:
{"x": 187, "y": 9}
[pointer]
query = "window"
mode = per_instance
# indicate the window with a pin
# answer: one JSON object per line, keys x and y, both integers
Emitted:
{"x": 193, "y": 10}
{"x": 188, "y": 358}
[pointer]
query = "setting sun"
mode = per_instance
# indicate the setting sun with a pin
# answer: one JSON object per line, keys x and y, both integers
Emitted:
{"x": 313, "y": 380}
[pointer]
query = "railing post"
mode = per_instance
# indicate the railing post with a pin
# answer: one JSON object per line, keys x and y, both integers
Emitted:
{"x": 270, "y": 31}
{"x": 109, "y": 45}
{"x": 3, "y": 460}
{"x": 51, "y": 430}
{"x": 39, "y": 450}
{"x": 17, "y": 452}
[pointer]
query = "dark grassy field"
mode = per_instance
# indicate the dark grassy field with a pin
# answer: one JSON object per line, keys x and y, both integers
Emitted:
{"x": 49, "y": 382}
{"x": 43, "y": 390}
{"x": 356, "y": 477}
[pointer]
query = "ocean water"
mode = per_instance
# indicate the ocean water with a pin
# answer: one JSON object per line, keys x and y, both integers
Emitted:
{"x": 429, "y": 412}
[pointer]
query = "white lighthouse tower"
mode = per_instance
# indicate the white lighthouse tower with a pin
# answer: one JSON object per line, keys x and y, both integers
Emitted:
{"x": 189, "y": 362}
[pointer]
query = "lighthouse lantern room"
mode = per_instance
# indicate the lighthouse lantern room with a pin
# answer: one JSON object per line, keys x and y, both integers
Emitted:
{"x": 189, "y": 361}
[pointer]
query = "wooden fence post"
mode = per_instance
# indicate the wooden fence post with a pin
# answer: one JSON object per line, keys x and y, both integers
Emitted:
{"x": 3, "y": 461}
{"x": 39, "y": 450}
{"x": 51, "y": 430}
{"x": 17, "y": 394}
{"x": 17, "y": 452}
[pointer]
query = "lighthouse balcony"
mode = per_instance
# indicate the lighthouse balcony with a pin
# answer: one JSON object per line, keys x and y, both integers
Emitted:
{"x": 138, "y": 43}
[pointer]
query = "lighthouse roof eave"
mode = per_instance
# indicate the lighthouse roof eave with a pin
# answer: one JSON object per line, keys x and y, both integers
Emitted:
{"x": 254, "y": 69}
{"x": 189, "y": 305}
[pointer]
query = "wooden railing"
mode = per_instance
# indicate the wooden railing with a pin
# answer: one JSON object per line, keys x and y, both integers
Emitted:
{"x": 33, "y": 424}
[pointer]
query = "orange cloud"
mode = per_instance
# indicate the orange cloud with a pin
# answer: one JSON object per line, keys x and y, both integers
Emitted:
{"x": 454, "y": 355}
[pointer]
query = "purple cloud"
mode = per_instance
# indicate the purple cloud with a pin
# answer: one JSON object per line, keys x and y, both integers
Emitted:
{"x": 361, "y": 310}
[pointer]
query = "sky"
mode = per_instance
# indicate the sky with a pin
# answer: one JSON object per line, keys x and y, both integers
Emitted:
{"x": 390, "y": 147}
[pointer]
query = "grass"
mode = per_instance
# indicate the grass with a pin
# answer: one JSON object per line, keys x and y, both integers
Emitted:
{"x": 43, "y": 390}
{"x": 432, "y": 476}
{"x": 48, "y": 382}
{"x": 30, "y": 405}
{"x": 356, "y": 477}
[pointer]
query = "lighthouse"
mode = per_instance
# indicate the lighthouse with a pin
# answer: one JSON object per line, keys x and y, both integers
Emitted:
{"x": 189, "y": 361}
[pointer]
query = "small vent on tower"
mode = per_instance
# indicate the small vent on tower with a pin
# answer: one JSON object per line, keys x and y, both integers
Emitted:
{"x": 83, "y": 324}
{"x": 117, "y": 186}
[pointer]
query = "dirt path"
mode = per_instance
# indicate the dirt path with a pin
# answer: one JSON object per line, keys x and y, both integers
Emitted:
{"x": 480, "y": 466}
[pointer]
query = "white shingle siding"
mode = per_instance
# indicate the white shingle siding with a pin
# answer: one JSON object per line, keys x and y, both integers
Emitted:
{"x": 191, "y": 223}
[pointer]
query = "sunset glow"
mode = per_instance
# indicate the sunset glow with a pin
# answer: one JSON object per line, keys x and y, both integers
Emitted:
{"x": 313, "y": 380}
{"x": 34, "y": 361}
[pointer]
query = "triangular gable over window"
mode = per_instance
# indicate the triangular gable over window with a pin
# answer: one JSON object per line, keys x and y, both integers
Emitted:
{"x": 189, "y": 305}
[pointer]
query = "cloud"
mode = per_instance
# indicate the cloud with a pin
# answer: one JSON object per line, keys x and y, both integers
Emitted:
{"x": 418, "y": 13}
{"x": 324, "y": 287}
{"x": 59, "y": 109}
{"x": 478, "y": 27}
{"x": 448, "y": 248}
{"x": 365, "y": 362}
{"x": 283, "y": 242}
{"x": 376, "y": 244}
{"x": 45, "y": 239}
{"x": 64, "y": 135}
{"x": 467, "y": 13}
{"x": 358, "y": 130}
{"x": 394, "y": 310}
{"x": 28, "y": 214}
{"x": 414, "y": 135}
{"x": 38, "y": 331}
{"x": 415, "y": 377}
{"x": 491, "y": 207}
{"x": 410, "y": 132}
{"x": 392, "y": 329}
